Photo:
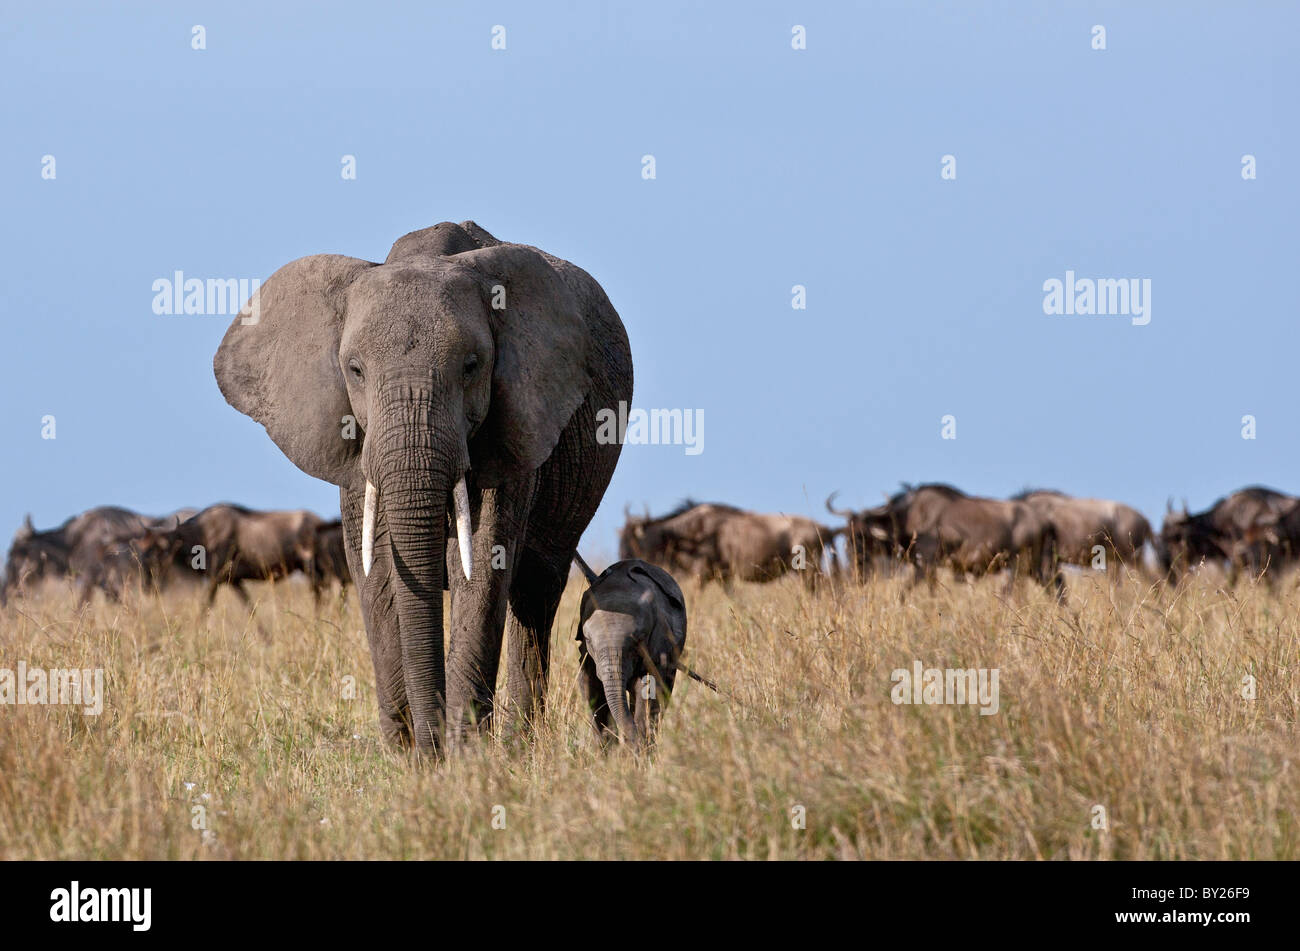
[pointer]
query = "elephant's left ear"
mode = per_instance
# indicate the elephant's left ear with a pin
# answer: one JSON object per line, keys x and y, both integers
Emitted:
{"x": 541, "y": 375}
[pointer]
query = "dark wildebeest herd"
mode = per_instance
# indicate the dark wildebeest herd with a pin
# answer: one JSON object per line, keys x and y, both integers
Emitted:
{"x": 112, "y": 549}
{"x": 1255, "y": 531}
{"x": 1035, "y": 533}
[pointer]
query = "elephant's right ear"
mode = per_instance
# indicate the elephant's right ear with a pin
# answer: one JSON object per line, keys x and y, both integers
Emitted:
{"x": 279, "y": 364}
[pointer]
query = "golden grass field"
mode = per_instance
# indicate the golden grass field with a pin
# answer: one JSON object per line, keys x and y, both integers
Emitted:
{"x": 1130, "y": 698}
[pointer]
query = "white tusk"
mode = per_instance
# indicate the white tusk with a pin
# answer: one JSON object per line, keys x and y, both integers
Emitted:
{"x": 463, "y": 535}
{"x": 368, "y": 528}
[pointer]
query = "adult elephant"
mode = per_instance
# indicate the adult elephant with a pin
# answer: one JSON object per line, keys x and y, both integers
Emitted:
{"x": 462, "y": 374}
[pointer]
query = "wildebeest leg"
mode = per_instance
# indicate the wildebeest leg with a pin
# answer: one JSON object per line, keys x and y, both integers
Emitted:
{"x": 833, "y": 567}
{"x": 810, "y": 579}
{"x": 85, "y": 591}
{"x": 921, "y": 571}
{"x": 1234, "y": 572}
{"x": 1048, "y": 570}
{"x": 317, "y": 589}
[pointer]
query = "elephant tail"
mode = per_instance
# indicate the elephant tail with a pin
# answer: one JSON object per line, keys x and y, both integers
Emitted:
{"x": 590, "y": 575}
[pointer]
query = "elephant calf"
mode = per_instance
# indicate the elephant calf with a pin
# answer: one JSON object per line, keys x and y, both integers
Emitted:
{"x": 631, "y": 632}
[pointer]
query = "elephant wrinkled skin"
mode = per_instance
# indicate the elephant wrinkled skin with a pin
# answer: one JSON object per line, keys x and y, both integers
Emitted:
{"x": 462, "y": 375}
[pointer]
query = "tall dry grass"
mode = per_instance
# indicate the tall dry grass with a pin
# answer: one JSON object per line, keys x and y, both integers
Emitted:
{"x": 1130, "y": 698}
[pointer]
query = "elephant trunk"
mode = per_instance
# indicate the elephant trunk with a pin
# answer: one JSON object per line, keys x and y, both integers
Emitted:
{"x": 611, "y": 676}
{"x": 414, "y": 478}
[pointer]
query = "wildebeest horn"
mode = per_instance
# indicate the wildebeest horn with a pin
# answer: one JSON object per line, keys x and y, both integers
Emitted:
{"x": 831, "y": 498}
{"x": 1169, "y": 504}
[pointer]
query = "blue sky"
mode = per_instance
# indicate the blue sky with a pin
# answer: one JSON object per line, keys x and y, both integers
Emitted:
{"x": 774, "y": 167}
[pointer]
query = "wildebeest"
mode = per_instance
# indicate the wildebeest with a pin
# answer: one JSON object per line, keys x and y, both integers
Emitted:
{"x": 889, "y": 530}
{"x": 677, "y": 541}
{"x": 1272, "y": 547}
{"x": 1084, "y": 525}
{"x": 92, "y": 547}
{"x": 725, "y": 543}
{"x": 330, "y": 560}
{"x": 33, "y": 556}
{"x": 231, "y": 544}
{"x": 1233, "y": 531}
{"x": 936, "y": 524}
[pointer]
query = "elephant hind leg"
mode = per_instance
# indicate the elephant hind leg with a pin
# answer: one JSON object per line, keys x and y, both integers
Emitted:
{"x": 534, "y": 599}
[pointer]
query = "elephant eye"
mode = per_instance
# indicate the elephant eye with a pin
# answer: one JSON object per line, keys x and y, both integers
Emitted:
{"x": 471, "y": 363}
{"x": 354, "y": 367}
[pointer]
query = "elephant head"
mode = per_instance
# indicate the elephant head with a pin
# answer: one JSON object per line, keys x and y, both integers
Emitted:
{"x": 456, "y": 362}
{"x": 633, "y": 624}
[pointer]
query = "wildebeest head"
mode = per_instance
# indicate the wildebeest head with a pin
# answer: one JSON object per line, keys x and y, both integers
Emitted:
{"x": 1187, "y": 538}
{"x": 32, "y": 556}
{"x": 889, "y": 528}
{"x": 159, "y": 549}
{"x": 652, "y": 539}
{"x": 912, "y": 510}
{"x": 632, "y": 536}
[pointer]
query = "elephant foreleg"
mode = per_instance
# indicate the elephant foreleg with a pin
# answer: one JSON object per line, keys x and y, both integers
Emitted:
{"x": 376, "y": 595}
{"x": 479, "y": 606}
